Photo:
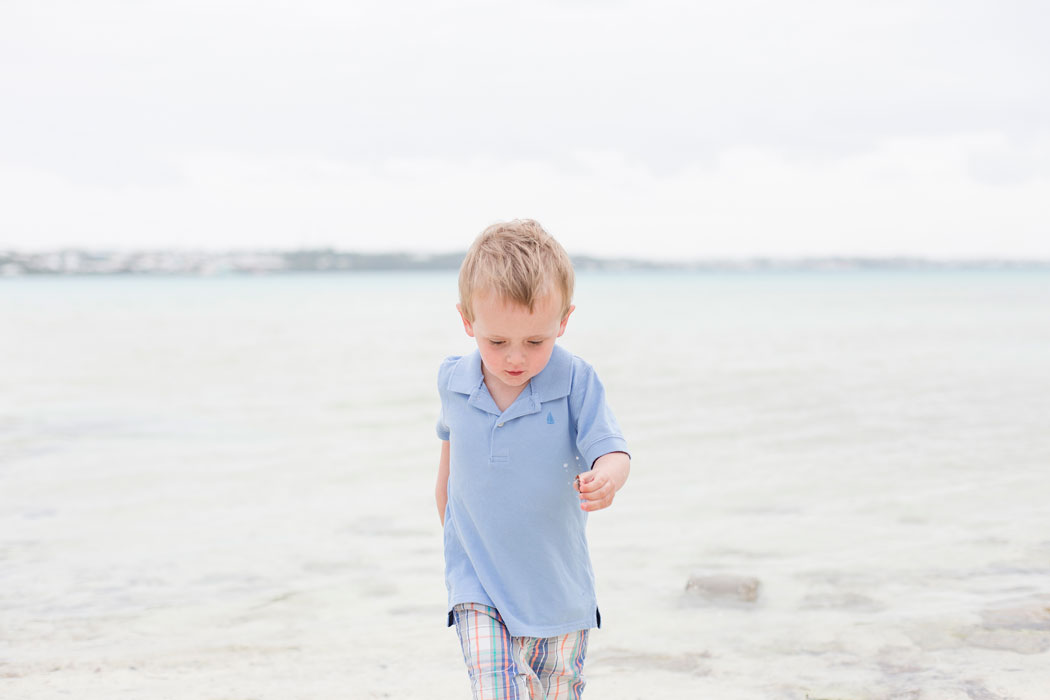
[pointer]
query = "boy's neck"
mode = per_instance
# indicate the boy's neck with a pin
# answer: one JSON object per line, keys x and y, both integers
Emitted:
{"x": 503, "y": 395}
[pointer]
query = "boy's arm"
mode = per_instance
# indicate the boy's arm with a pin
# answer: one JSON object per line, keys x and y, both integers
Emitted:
{"x": 598, "y": 487}
{"x": 441, "y": 489}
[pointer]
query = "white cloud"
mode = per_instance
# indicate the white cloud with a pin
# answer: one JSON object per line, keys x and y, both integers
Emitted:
{"x": 696, "y": 128}
{"x": 915, "y": 197}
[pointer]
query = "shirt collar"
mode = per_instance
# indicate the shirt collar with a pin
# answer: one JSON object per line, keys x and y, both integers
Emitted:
{"x": 554, "y": 381}
{"x": 551, "y": 383}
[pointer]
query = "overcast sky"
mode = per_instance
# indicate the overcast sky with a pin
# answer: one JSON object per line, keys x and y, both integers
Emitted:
{"x": 652, "y": 129}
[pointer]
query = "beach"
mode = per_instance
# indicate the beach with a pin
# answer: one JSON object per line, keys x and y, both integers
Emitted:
{"x": 222, "y": 487}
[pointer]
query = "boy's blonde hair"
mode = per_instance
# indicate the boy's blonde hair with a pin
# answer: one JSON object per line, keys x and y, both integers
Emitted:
{"x": 520, "y": 262}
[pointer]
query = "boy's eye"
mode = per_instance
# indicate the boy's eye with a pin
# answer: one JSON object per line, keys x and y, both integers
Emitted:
{"x": 535, "y": 342}
{"x": 495, "y": 342}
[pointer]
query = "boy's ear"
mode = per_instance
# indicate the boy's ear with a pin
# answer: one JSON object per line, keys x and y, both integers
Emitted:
{"x": 467, "y": 325}
{"x": 565, "y": 320}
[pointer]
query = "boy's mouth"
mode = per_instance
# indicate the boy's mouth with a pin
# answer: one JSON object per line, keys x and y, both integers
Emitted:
{"x": 516, "y": 373}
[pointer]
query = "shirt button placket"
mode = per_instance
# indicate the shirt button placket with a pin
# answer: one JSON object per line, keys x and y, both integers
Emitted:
{"x": 493, "y": 442}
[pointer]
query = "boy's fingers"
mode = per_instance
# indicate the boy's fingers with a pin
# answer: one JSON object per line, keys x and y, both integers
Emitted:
{"x": 590, "y": 482}
{"x": 599, "y": 493}
{"x": 594, "y": 493}
{"x": 598, "y": 504}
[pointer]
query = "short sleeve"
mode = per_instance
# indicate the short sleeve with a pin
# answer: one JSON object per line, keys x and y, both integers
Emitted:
{"x": 597, "y": 432}
{"x": 442, "y": 428}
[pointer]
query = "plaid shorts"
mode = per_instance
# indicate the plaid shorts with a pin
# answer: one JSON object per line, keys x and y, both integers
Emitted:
{"x": 502, "y": 667}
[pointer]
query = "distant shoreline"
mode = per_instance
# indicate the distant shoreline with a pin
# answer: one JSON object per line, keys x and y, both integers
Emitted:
{"x": 175, "y": 262}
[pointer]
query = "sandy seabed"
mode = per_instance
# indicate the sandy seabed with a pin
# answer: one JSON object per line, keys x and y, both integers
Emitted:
{"x": 371, "y": 624}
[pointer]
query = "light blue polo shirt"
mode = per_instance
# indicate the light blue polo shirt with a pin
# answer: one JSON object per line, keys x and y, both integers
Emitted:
{"x": 514, "y": 530}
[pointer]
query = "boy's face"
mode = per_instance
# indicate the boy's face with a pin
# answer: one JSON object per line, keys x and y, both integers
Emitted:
{"x": 515, "y": 345}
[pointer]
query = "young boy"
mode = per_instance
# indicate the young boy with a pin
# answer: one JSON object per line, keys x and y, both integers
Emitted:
{"x": 529, "y": 449}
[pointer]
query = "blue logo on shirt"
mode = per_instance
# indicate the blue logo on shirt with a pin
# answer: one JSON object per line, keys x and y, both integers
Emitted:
{"x": 550, "y": 418}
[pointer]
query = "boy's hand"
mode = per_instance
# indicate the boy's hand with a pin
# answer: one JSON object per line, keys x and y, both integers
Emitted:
{"x": 598, "y": 487}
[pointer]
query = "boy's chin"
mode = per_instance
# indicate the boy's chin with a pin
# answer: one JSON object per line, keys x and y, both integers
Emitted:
{"x": 505, "y": 378}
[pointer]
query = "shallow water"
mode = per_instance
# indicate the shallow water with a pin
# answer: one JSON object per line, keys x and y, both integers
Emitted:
{"x": 222, "y": 487}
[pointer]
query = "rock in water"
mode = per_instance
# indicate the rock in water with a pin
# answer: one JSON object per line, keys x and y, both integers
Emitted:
{"x": 724, "y": 587}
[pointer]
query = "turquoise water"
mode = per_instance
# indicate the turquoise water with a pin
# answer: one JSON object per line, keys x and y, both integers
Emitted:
{"x": 202, "y": 477}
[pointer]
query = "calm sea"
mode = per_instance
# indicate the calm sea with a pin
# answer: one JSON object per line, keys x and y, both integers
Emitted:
{"x": 223, "y": 487}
